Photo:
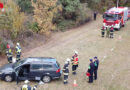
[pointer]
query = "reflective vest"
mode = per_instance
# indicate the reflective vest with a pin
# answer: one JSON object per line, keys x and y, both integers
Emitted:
{"x": 18, "y": 49}
{"x": 75, "y": 61}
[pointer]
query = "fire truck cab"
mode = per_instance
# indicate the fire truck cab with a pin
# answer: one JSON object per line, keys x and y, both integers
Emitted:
{"x": 116, "y": 16}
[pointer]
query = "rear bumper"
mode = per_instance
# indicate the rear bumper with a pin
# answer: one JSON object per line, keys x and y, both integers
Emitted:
{"x": 56, "y": 76}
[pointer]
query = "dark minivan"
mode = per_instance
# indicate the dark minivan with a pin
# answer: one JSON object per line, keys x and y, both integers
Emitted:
{"x": 32, "y": 68}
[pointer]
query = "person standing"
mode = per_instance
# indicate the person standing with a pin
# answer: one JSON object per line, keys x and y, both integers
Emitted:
{"x": 111, "y": 31}
{"x": 75, "y": 62}
{"x": 96, "y": 64}
{"x": 95, "y": 15}
{"x": 18, "y": 52}
{"x": 66, "y": 70}
{"x": 91, "y": 70}
{"x": 108, "y": 31}
{"x": 9, "y": 55}
{"x": 103, "y": 31}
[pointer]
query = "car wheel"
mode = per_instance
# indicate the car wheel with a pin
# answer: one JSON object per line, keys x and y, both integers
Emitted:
{"x": 8, "y": 78}
{"x": 46, "y": 79}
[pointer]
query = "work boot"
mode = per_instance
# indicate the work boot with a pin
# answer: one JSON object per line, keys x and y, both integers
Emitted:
{"x": 74, "y": 73}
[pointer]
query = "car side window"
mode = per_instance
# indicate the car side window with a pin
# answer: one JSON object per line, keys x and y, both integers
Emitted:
{"x": 37, "y": 66}
{"x": 47, "y": 66}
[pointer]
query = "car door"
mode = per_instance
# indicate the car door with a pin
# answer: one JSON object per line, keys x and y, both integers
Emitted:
{"x": 48, "y": 69}
{"x": 23, "y": 72}
{"x": 36, "y": 71}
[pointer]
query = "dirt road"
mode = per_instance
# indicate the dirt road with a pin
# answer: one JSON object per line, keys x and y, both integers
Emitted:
{"x": 114, "y": 69}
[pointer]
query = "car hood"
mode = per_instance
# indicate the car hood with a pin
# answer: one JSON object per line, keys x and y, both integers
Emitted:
{"x": 7, "y": 68}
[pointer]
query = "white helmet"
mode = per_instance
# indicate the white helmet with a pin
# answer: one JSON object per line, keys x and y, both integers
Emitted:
{"x": 26, "y": 81}
{"x": 76, "y": 52}
{"x": 68, "y": 60}
{"x": 18, "y": 44}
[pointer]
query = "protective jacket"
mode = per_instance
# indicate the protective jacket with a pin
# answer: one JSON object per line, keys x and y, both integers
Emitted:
{"x": 18, "y": 49}
{"x": 66, "y": 69}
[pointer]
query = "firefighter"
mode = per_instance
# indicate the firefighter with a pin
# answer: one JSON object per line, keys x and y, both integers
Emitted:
{"x": 7, "y": 48}
{"x": 111, "y": 31}
{"x": 66, "y": 70}
{"x": 91, "y": 70}
{"x": 103, "y": 31}
{"x": 108, "y": 31}
{"x": 9, "y": 55}
{"x": 96, "y": 64}
{"x": 18, "y": 52}
{"x": 74, "y": 62}
{"x": 26, "y": 86}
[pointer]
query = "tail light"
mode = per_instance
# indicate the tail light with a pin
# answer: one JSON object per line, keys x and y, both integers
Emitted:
{"x": 116, "y": 22}
{"x": 58, "y": 70}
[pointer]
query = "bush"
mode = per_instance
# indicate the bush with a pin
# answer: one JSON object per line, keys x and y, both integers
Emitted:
{"x": 34, "y": 26}
{"x": 25, "y": 5}
{"x": 66, "y": 24}
{"x": 83, "y": 14}
{"x": 73, "y": 14}
{"x": 2, "y": 47}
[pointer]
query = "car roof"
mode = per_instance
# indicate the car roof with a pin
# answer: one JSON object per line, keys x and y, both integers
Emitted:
{"x": 32, "y": 60}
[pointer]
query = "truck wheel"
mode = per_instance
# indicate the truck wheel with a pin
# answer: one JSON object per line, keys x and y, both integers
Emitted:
{"x": 8, "y": 78}
{"x": 46, "y": 79}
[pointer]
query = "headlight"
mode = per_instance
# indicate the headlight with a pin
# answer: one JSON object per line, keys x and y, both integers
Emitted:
{"x": 104, "y": 24}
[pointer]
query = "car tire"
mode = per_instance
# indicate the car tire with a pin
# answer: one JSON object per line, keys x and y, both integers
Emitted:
{"x": 8, "y": 78}
{"x": 46, "y": 79}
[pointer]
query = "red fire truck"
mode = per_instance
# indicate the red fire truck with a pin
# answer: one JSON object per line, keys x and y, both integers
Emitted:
{"x": 116, "y": 16}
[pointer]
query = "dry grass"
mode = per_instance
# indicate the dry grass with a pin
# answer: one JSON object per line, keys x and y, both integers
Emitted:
{"x": 114, "y": 70}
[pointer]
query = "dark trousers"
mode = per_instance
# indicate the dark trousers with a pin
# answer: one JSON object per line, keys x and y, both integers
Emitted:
{"x": 103, "y": 34}
{"x": 17, "y": 80}
{"x": 111, "y": 34}
{"x": 95, "y": 17}
{"x": 95, "y": 74}
{"x": 91, "y": 78}
{"x": 74, "y": 67}
{"x": 65, "y": 79}
{"x": 17, "y": 57}
{"x": 9, "y": 59}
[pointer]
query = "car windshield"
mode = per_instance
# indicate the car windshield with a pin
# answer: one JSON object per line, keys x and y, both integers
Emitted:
{"x": 111, "y": 16}
{"x": 18, "y": 63}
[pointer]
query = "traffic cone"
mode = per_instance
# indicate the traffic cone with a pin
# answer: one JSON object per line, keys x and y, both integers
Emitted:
{"x": 75, "y": 83}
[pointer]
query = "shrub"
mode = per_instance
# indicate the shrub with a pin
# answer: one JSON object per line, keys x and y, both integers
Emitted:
{"x": 34, "y": 26}
{"x": 65, "y": 24}
{"x": 2, "y": 47}
{"x": 44, "y": 11}
{"x": 25, "y": 5}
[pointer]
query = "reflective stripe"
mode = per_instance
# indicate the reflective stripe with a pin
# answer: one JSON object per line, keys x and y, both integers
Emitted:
{"x": 66, "y": 73}
{"x": 65, "y": 80}
{"x": 67, "y": 67}
{"x": 24, "y": 88}
{"x": 74, "y": 71}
